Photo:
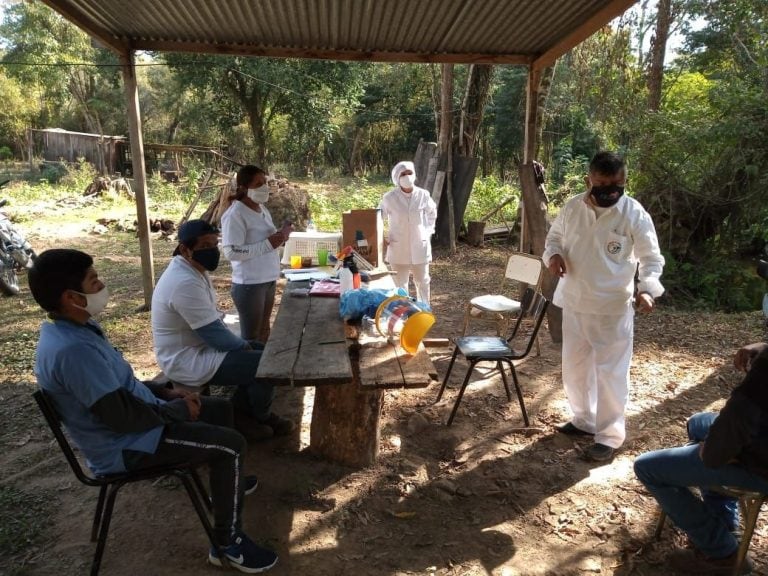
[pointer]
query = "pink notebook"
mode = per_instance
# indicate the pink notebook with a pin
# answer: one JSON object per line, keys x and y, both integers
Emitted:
{"x": 325, "y": 288}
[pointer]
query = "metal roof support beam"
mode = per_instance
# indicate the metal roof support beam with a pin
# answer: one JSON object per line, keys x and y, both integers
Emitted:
{"x": 139, "y": 174}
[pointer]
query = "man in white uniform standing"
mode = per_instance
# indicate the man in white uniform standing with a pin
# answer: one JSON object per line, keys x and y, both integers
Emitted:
{"x": 594, "y": 246}
{"x": 412, "y": 214}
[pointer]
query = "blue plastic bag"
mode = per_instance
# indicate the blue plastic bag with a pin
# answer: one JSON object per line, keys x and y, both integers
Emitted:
{"x": 354, "y": 304}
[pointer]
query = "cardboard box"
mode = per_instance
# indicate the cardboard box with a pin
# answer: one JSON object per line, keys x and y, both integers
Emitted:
{"x": 364, "y": 231}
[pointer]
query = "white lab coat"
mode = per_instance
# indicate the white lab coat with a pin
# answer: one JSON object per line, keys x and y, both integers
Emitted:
{"x": 411, "y": 222}
{"x": 601, "y": 255}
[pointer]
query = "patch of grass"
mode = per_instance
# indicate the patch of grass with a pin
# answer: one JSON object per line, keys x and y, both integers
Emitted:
{"x": 327, "y": 203}
{"x": 24, "y": 516}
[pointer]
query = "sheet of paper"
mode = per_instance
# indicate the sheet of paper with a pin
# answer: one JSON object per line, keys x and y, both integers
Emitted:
{"x": 304, "y": 275}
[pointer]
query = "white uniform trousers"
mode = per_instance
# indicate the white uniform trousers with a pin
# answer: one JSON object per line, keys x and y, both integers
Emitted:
{"x": 597, "y": 350}
{"x": 420, "y": 278}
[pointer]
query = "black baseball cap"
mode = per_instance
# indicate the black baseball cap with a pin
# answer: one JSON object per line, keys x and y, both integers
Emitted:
{"x": 193, "y": 229}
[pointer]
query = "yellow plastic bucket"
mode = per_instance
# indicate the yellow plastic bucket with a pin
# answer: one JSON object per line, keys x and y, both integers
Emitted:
{"x": 399, "y": 315}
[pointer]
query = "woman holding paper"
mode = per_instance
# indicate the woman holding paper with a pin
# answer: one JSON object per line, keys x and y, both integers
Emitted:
{"x": 250, "y": 241}
{"x": 411, "y": 213}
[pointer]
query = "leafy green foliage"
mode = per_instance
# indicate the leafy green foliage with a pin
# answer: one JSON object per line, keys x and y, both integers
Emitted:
{"x": 488, "y": 194}
{"x": 718, "y": 281}
{"x": 78, "y": 176}
{"x": 326, "y": 209}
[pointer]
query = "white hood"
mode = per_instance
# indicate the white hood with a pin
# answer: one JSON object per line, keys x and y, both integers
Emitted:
{"x": 399, "y": 168}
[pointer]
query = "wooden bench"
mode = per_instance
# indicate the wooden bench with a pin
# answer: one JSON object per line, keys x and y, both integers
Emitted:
{"x": 310, "y": 345}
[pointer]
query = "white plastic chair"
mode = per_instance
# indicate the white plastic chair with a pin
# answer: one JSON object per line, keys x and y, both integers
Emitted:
{"x": 522, "y": 268}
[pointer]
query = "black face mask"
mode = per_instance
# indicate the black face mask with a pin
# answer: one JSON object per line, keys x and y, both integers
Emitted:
{"x": 602, "y": 195}
{"x": 208, "y": 258}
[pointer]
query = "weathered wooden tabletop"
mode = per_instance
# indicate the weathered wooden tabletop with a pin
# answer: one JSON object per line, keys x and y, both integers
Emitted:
{"x": 307, "y": 345}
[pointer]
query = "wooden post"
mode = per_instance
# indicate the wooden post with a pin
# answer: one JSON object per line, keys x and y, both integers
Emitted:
{"x": 529, "y": 141}
{"x": 30, "y": 150}
{"x": 475, "y": 232}
{"x": 446, "y": 135}
{"x": 139, "y": 174}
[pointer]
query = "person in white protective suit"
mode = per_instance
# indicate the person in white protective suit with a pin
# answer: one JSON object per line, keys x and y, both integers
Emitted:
{"x": 595, "y": 245}
{"x": 411, "y": 213}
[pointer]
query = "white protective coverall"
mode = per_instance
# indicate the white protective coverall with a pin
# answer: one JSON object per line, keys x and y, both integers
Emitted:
{"x": 411, "y": 224}
{"x": 601, "y": 248}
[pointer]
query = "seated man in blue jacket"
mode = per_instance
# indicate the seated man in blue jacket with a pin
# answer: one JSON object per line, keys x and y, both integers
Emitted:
{"x": 194, "y": 347}
{"x": 117, "y": 422}
{"x": 725, "y": 449}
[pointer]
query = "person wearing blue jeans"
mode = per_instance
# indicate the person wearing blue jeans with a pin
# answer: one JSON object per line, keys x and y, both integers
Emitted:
{"x": 192, "y": 344}
{"x": 725, "y": 449}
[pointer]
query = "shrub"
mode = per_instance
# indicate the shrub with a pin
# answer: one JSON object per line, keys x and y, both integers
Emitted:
{"x": 487, "y": 194}
{"x": 719, "y": 281}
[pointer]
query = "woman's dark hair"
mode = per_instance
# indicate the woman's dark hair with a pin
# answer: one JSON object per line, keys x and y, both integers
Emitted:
{"x": 245, "y": 176}
{"x": 606, "y": 163}
{"x": 54, "y": 272}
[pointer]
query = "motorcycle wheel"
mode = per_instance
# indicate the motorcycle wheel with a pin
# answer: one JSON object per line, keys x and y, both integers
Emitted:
{"x": 9, "y": 281}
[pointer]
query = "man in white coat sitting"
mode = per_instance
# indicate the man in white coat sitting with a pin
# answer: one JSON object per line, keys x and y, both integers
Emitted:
{"x": 594, "y": 246}
{"x": 412, "y": 214}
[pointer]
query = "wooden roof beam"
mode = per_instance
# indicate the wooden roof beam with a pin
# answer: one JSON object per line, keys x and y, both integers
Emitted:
{"x": 89, "y": 26}
{"x": 329, "y": 54}
{"x": 599, "y": 19}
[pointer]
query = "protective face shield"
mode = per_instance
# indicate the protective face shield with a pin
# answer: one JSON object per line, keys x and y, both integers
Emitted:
{"x": 95, "y": 303}
{"x": 406, "y": 181}
{"x": 259, "y": 195}
{"x": 208, "y": 258}
{"x": 606, "y": 196}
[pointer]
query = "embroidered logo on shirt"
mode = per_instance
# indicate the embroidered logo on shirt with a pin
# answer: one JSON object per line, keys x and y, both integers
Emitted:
{"x": 614, "y": 247}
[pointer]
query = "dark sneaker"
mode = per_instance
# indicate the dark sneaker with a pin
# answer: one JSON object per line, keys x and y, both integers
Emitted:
{"x": 571, "y": 430}
{"x": 252, "y": 429}
{"x": 280, "y": 426}
{"x": 250, "y": 483}
{"x": 244, "y": 555}
{"x": 691, "y": 561}
{"x": 599, "y": 452}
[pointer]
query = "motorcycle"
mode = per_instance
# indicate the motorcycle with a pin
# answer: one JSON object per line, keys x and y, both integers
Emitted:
{"x": 16, "y": 254}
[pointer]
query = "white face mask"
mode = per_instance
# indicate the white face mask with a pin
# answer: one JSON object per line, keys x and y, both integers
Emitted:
{"x": 96, "y": 302}
{"x": 259, "y": 195}
{"x": 407, "y": 180}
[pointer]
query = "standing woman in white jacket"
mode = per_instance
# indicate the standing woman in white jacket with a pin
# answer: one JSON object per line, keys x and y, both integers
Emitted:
{"x": 250, "y": 241}
{"x": 411, "y": 213}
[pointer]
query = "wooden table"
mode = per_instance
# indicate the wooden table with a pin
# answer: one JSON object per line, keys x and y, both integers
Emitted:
{"x": 310, "y": 345}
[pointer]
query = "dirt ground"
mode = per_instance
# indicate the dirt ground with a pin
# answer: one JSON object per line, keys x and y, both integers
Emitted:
{"x": 482, "y": 497}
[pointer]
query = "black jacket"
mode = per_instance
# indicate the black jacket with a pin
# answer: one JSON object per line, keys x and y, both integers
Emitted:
{"x": 739, "y": 435}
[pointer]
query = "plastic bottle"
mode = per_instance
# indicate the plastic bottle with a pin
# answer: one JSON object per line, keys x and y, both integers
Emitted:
{"x": 345, "y": 279}
{"x": 310, "y": 225}
{"x": 355, "y": 274}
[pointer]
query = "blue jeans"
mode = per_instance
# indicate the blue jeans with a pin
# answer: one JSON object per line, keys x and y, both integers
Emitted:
{"x": 254, "y": 303}
{"x": 238, "y": 370}
{"x": 669, "y": 474}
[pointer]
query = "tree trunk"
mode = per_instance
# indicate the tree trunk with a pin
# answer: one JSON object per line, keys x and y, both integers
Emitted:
{"x": 475, "y": 98}
{"x": 535, "y": 200}
{"x": 658, "y": 51}
{"x": 444, "y": 144}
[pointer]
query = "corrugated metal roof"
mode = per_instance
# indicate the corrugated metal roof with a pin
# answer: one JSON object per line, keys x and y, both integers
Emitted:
{"x": 379, "y": 30}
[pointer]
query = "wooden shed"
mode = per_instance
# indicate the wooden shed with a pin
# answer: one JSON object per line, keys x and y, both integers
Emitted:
{"x": 55, "y": 145}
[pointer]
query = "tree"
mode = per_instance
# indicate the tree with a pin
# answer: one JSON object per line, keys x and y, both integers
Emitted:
{"x": 56, "y": 60}
{"x": 16, "y": 113}
{"x": 267, "y": 88}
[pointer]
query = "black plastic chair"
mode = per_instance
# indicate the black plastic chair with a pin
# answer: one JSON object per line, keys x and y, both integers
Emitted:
{"x": 478, "y": 349}
{"x": 111, "y": 484}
